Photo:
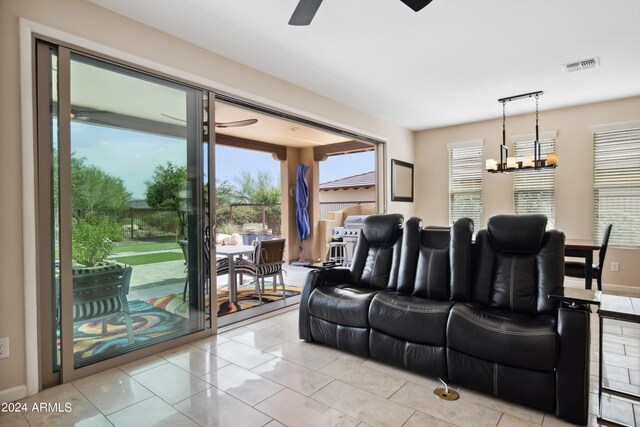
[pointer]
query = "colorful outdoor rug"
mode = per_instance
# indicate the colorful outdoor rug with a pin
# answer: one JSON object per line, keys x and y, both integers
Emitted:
{"x": 149, "y": 323}
{"x": 247, "y": 298}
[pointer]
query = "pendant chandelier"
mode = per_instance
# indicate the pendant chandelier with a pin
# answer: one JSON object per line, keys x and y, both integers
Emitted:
{"x": 512, "y": 164}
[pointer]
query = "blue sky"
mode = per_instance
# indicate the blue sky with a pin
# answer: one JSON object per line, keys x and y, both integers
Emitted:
{"x": 133, "y": 156}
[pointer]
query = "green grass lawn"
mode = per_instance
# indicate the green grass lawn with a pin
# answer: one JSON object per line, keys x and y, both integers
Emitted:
{"x": 150, "y": 258}
{"x": 145, "y": 247}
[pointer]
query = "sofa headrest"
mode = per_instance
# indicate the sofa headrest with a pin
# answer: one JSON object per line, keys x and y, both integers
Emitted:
{"x": 382, "y": 229}
{"x": 463, "y": 225}
{"x": 517, "y": 233}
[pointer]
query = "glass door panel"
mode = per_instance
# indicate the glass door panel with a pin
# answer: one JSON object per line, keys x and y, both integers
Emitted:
{"x": 136, "y": 210}
{"x": 55, "y": 207}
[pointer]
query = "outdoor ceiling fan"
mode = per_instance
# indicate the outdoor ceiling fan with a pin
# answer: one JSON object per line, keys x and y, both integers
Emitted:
{"x": 306, "y": 10}
{"x": 236, "y": 124}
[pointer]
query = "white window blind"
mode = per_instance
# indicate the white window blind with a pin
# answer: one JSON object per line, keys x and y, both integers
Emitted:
{"x": 465, "y": 183}
{"x": 616, "y": 186}
{"x": 534, "y": 190}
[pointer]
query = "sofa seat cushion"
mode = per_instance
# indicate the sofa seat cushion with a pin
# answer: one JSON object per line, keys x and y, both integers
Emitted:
{"x": 504, "y": 337}
{"x": 342, "y": 304}
{"x": 410, "y": 318}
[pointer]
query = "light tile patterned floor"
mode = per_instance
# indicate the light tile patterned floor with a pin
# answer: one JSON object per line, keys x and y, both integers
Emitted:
{"x": 260, "y": 374}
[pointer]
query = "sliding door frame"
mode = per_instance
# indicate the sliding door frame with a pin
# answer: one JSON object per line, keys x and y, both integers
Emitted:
{"x": 44, "y": 235}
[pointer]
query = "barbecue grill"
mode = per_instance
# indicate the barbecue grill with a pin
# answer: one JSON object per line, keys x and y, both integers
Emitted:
{"x": 344, "y": 239}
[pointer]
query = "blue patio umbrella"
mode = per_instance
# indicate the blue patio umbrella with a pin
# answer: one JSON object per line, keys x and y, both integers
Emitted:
{"x": 302, "y": 203}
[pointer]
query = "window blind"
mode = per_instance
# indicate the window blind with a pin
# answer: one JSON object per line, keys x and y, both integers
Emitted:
{"x": 534, "y": 190}
{"x": 616, "y": 186}
{"x": 465, "y": 183}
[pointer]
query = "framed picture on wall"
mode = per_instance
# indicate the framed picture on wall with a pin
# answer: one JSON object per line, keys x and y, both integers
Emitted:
{"x": 401, "y": 181}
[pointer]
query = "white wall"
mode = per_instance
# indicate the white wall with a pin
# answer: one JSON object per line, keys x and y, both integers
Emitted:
{"x": 574, "y": 176}
{"x": 122, "y": 37}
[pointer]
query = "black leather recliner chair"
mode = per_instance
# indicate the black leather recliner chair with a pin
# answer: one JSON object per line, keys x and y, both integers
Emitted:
{"x": 334, "y": 306}
{"x": 511, "y": 340}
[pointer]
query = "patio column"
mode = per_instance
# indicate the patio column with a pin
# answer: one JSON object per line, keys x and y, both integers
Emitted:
{"x": 288, "y": 182}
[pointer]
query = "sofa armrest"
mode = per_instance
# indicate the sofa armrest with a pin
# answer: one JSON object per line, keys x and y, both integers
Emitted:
{"x": 315, "y": 279}
{"x": 572, "y": 372}
{"x": 576, "y": 298}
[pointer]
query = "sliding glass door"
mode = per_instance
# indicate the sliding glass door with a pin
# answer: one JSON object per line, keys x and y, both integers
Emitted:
{"x": 121, "y": 166}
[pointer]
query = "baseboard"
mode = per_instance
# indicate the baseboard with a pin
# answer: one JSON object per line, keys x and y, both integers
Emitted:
{"x": 621, "y": 289}
{"x": 14, "y": 393}
{"x": 608, "y": 288}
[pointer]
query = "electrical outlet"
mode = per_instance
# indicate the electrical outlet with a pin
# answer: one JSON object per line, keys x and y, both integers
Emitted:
{"x": 615, "y": 266}
{"x": 4, "y": 347}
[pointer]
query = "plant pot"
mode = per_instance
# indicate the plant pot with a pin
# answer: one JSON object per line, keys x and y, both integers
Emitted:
{"x": 249, "y": 236}
{"x": 265, "y": 234}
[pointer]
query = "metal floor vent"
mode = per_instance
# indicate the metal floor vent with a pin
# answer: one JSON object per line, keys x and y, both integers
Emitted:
{"x": 582, "y": 65}
{"x": 446, "y": 393}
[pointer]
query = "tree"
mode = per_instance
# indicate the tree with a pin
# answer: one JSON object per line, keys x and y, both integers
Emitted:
{"x": 163, "y": 191}
{"x": 95, "y": 192}
{"x": 258, "y": 189}
{"x": 226, "y": 194}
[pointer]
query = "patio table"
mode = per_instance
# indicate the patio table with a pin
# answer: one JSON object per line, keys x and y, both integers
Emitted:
{"x": 231, "y": 251}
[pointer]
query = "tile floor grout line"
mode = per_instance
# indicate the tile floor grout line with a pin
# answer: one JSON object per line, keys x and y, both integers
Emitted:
{"x": 129, "y": 406}
{"x": 395, "y": 392}
{"x": 100, "y": 410}
{"x": 353, "y": 385}
{"x": 410, "y": 416}
{"x": 360, "y": 388}
{"x": 318, "y": 390}
{"x": 185, "y": 414}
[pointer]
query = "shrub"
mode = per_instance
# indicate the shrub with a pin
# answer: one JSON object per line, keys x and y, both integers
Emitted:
{"x": 91, "y": 242}
{"x": 227, "y": 228}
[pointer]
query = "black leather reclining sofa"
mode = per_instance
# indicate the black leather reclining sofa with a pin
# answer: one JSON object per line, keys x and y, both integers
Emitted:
{"x": 478, "y": 315}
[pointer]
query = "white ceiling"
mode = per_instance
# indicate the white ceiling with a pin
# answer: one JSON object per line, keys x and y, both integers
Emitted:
{"x": 271, "y": 129}
{"x": 445, "y": 65}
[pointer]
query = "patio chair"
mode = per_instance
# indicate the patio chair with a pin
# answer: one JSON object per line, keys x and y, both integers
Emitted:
{"x": 101, "y": 292}
{"x": 184, "y": 245}
{"x": 222, "y": 265}
{"x": 267, "y": 262}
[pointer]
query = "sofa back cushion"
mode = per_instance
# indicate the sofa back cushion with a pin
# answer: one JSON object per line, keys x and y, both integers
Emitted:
{"x": 517, "y": 263}
{"x": 435, "y": 260}
{"x": 376, "y": 257}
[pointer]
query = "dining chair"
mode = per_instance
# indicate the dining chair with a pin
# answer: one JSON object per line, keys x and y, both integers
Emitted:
{"x": 577, "y": 268}
{"x": 267, "y": 262}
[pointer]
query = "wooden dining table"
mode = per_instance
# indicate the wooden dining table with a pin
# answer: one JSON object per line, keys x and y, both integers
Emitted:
{"x": 582, "y": 249}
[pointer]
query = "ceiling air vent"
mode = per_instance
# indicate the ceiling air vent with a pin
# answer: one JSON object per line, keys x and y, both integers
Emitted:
{"x": 582, "y": 65}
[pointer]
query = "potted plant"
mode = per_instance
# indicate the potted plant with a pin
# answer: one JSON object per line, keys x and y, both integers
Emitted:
{"x": 255, "y": 231}
{"x": 91, "y": 245}
{"x": 92, "y": 241}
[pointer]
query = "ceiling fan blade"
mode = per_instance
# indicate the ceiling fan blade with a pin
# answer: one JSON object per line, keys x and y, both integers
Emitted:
{"x": 305, "y": 11}
{"x": 239, "y": 123}
{"x": 416, "y": 5}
